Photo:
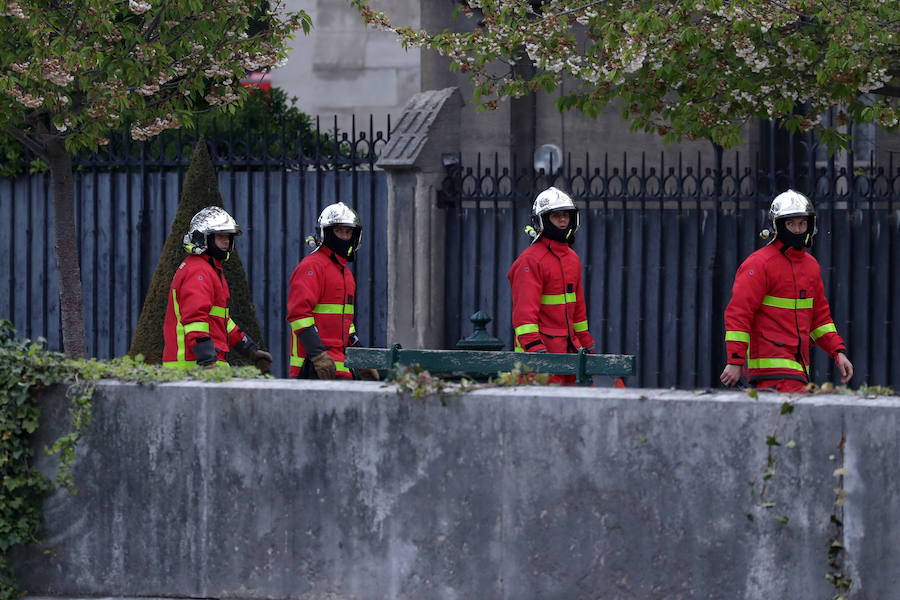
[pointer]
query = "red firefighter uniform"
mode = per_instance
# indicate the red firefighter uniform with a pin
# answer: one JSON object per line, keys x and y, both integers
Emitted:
{"x": 777, "y": 306}
{"x": 321, "y": 293}
{"x": 198, "y": 308}
{"x": 549, "y": 312}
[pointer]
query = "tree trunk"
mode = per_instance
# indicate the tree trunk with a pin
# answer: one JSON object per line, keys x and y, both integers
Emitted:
{"x": 71, "y": 308}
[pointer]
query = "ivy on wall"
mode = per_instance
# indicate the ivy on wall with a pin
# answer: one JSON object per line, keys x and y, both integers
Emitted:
{"x": 26, "y": 368}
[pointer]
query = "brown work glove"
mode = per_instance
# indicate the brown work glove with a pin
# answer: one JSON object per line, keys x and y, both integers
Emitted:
{"x": 368, "y": 374}
{"x": 324, "y": 366}
{"x": 262, "y": 360}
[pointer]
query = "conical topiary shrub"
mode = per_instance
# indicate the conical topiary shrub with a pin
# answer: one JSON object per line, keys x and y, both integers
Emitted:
{"x": 201, "y": 189}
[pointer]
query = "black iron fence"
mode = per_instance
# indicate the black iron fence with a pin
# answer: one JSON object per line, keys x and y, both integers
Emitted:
{"x": 660, "y": 244}
{"x": 126, "y": 198}
{"x": 660, "y": 241}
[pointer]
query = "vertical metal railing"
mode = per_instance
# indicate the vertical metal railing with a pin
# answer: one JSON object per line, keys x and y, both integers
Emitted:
{"x": 126, "y": 197}
{"x": 660, "y": 245}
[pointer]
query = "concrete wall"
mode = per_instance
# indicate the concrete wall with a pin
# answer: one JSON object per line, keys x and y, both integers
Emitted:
{"x": 342, "y": 68}
{"x": 322, "y": 490}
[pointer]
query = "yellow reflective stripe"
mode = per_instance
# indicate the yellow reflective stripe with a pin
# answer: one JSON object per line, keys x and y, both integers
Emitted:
{"x": 820, "y": 331}
{"x": 788, "y": 302}
{"x": 302, "y": 323}
{"x": 188, "y": 364}
{"x": 580, "y": 326}
{"x": 737, "y": 336}
{"x": 775, "y": 363}
{"x": 179, "y": 329}
{"x": 558, "y": 298}
{"x": 527, "y": 328}
{"x": 230, "y": 325}
{"x": 219, "y": 311}
{"x": 198, "y": 326}
{"x": 352, "y": 328}
{"x": 297, "y": 361}
{"x": 332, "y": 309}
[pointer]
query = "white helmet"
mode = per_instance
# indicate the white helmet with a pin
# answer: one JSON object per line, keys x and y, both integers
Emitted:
{"x": 550, "y": 200}
{"x": 339, "y": 214}
{"x": 208, "y": 222}
{"x": 793, "y": 204}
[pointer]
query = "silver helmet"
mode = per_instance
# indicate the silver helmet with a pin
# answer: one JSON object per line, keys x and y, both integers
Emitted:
{"x": 209, "y": 221}
{"x": 339, "y": 214}
{"x": 793, "y": 204}
{"x": 550, "y": 200}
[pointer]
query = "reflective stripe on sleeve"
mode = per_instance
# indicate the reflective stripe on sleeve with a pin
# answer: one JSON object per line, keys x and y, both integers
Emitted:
{"x": 526, "y": 328}
{"x": 580, "y": 326}
{"x": 198, "y": 326}
{"x": 302, "y": 323}
{"x": 820, "y": 331}
{"x": 219, "y": 311}
{"x": 737, "y": 336}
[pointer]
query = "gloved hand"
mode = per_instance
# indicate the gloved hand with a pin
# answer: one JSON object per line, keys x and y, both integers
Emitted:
{"x": 368, "y": 374}
{"x": 324, "y": 366}
{"x": 262, "y": 360}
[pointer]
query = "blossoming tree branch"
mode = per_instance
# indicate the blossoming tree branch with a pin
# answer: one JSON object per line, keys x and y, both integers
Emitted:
{"x": 686, "y": 69}
{"x": 72, "y": 70}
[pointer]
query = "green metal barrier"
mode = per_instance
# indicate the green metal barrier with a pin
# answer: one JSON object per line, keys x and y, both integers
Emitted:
{"x": 480, "y": 363}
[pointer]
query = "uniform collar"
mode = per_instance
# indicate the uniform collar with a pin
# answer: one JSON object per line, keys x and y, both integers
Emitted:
{"x": 555, "y": 245}
{"x": 213, "y": 262}
{"x": 334, "y": 256}
{"x": 789, "y": 251}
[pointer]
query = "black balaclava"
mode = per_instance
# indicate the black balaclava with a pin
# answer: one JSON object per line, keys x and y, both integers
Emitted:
{"x": 215, "y": 251}
{"x": 552, "y": 232}
{"x": 794, "y": 240}
{"x": 345, "y": 248}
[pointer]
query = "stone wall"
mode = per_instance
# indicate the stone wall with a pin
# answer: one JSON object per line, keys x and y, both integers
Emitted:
{"x": 322, "y": 490}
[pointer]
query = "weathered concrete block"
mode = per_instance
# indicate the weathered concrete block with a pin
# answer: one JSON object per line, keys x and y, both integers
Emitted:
{"x": 313, "y": 490}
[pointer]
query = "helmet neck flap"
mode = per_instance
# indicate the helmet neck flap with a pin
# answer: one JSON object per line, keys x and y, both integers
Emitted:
{"x": 552, "y": 232}
{"x": 797, "y": 241}
{"x": 343, "y": 248}
{"x": 217, "y": 253}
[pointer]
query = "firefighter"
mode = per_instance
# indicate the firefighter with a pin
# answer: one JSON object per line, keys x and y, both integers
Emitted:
{"x": 778, "y": 304}
{"x": 549, "y": 313}
{"x": 320, "y": 306}
{"x": 198, "y": 329}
